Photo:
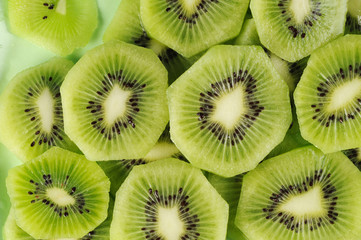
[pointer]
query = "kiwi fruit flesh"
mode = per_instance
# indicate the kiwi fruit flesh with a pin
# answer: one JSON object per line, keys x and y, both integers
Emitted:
{"x": 189, "y": 27}
{"x": 302, "y": 194}
{"x": 294, "y": 29}
{"x": 353, "y": 17}
{"x": 31, "y": 112}
{"x": 354, "y": 155}
{"x": 248, "y": 34}
{"x": 58, "y": 25}
{"x": 127, "y": 26}
{"x": 222, "y": 117}
{"x": 114, "y": 101}
{"x": 328, "y": 99}
{"x": 60, "y": 194}
{"x": 168, "y": 199}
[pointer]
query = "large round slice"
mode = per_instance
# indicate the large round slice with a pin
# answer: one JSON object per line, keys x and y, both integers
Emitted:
{"x": 328, "y": 97}
{"x": 114, "y": 101}
{"x": 293, "y": 29}
{"x": 302, "y": 194}
{"x": 57, "y": 191}
{"x": 190, "y": 27}
{"x": 168, "y": 199}
{"x": 229, "y": 110}
{"x": 58, "y": 25}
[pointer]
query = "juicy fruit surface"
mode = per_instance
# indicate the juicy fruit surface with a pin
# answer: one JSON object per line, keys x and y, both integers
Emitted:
{"x": 114, "y": 101}
{"x": 302, "y": 194}
{"x": 188, "y": 27}
{"x": 57, "y": 191}
{"x": 168, "y": 199}
{"x": 353, "y": 17}
{"x": 59, "y": 25}
{"x": 222, "y": 117}
{"x": 31, "y": 113}
{"x": 328, "y": 96}
{"x": 292, "y": 29}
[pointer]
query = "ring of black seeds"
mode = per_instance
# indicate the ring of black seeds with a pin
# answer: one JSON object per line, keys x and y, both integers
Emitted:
{"x": 179, "y": 200}
{"x": 299, "y": 30}
{"x": 41, "y": 137}
{"x": 50, "y": 6}
{"x": 292, "y": 223}
{"x": 353, "y": 154}
{"x": 95, "y": 106}
{"x": 39, "y": 194}
{"x": 324, "y": 90}
{"x": 208, "y": 98}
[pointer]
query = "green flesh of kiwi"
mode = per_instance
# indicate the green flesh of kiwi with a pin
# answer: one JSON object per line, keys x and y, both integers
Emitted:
{"x": 189, "y": 27}
{"x": 230, "y": 190}
{"x": 354, "y": 155}
{"x": 57, "y": 191}
{"x": 353, "y": 17}
{"x": 248, "y": 34}
{"x": 31, "y": 112}
{"x": 168, "y": 199}
{"x": 127, "y": 26}
{"x": 302, "y": 194}
{"x": 293, "y": 29}
{"x": 114, "y": 101}
{"x": 58, "y": 25}
{"x": 222, "y": 117}
{"x": 328, "y": 99}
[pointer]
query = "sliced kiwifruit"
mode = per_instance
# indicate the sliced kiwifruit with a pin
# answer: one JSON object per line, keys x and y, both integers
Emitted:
{"x": 31, "y": 113}
{"x": 60, "y": 194}
{"x": 190, "y": 27}
{"x": 353, "y": 17}
{"x": 328, "y": 99}
{"x": 12, "y": 231}
{"x": 168, "y": 199}
{"x": 222, "y": 115}
{"x": 302, "y": 194}
{"x": 294, "y": 29}
{"x": 127, "y": 26}
{"x": 58, "y": 25}
{"x": 248, "y": 34}
{"x": 114, "y": 101}
{"x": 354, "y": 155}
{"x": 230, "y": 190}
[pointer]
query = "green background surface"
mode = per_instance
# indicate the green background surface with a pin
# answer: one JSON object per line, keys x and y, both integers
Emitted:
{"x": 17, "y": 54}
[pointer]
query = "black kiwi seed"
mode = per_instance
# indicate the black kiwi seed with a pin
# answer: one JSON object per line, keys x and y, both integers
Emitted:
{"x": 353, "y": 154}
{"x": 291, "y": 222}
{"x": 95, "y": 106}
{"x": 179, "y": 200}
{"x": 209, "y": 97}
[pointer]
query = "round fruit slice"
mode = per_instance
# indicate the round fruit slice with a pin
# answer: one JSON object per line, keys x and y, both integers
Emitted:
{"x": 58, "y": 195}
{"x": 114, "y": 101}
{"x": 31, "y": 119}
{"x": 58, "y": 25}
{"x": 328, "y": 97}
{"x": 168, "y": 199}
{"x": 189, "y": 27}
{"x": 293, "y": 29}
{"x": 301, "y": 194}
{"x": 229, "y": 110}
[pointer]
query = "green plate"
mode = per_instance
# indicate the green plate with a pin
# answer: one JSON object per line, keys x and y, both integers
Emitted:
{"x": 17, "y": 54}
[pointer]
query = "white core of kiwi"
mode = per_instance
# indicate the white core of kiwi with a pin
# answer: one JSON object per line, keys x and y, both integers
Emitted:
{"x": 230, "y": 108}
{"x": 115, "y": 104}
{"x": 300, "y": 9}
{"x": 190, "y": 5}
{"x": 60, "y": 196}
{"x": 344, "y": 94}
{"x": 45, "y": 104}
{"x": 161, "y": 150}
{"x": 61, "y": 7}
{"x": 354, "y": 8}
{"x": 306, "y": 204}
{"x": 170, "y": 226}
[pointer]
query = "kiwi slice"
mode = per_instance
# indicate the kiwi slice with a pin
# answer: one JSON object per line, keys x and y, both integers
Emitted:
{"x": 354, "y": 155}
{"x": 230, "y": 190}
{"x": 127, "y": 26}
{"x": 294, "y": 29}
{"x": 58, "y": 25}
{"x": 56, "y": 192}
{"x": 114, "y": 101}
{"x": 222, "y": 115}
{"x": 328, "y": 99}
{"x": 189, "y": 27}
{"x": 248, "y": 34}
{"x": 31, "y": 113}
{"x": 302, "y": 194}
{"x": 168, "y": 199}
{"x": 353, "y": 17}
